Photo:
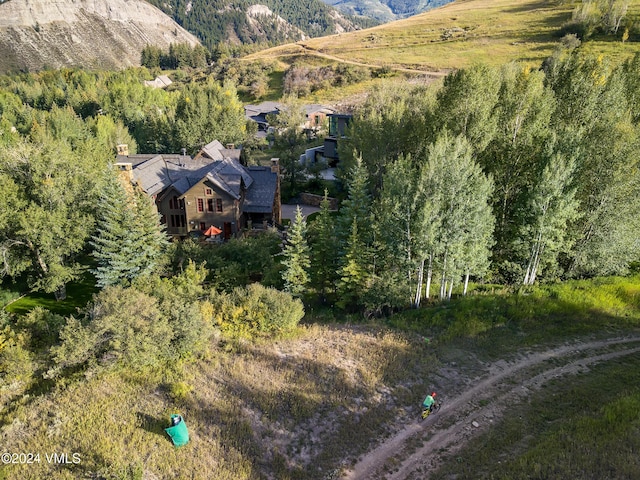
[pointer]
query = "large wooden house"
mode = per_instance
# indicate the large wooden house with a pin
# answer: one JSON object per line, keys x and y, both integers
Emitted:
{"x": 211, "y": 189}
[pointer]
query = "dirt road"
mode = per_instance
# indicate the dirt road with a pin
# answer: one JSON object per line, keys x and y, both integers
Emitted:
{"x": 419, "y": 448}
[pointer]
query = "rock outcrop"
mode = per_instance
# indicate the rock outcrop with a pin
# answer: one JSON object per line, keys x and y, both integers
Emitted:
{"x": 107, "y": 34}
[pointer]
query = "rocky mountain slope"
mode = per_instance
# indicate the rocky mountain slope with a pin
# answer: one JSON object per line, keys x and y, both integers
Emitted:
{"x": 385, "y": 10}
{"x": 267, "y": 22}
{"x": 92, "y": 33}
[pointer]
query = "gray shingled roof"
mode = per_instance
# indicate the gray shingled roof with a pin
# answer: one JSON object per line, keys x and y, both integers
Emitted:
{"x": 213, "y": 150}
{"x": 260, "y": 196}
{"x": 315, "y": 107}
{"x": 228, "y": 174}
{"x": 163, "y": 173}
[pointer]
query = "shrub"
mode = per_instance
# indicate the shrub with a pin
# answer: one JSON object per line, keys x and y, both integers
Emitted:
{"x": 15, "y": 360}
{"x": 42, "y": 327}
{"x": 237, "y": 262}
{"x": 257, "y": 311}
{"x": 121, "y": 325}
{"x": 180, "y": 391}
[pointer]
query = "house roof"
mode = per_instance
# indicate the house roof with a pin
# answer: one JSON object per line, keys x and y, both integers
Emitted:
{"x": 161, "y": 81}
{"x": 228, "y": 175}
{"x": 213, "y": 150}
{"x": 259, "y": 198}
{"x": 258, "y": 113}
{"x": 156, "y": 173}
{"x": 317, "y": 108}
{"x": 160, "y": 174}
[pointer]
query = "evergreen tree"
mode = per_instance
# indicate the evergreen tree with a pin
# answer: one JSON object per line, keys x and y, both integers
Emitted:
{"x": 353, "y": 274}
{"x": 356, "y": 239}
{"x": 357, "y": 207}
{"x": 129, "y": 240}
{"x": 296, "y": 257}
{"x": 324, "y": 250}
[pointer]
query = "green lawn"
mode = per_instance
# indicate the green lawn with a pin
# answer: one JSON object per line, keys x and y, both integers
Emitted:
{"x": 78, "y": 294}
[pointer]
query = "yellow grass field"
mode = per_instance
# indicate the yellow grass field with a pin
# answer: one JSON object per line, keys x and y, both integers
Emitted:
{"x": 458, "y": 35}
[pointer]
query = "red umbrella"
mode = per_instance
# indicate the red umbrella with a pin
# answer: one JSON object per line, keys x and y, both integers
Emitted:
{"x": 213, "y": 231}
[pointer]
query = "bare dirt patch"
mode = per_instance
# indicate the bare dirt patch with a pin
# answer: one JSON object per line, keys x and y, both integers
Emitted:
{"x": 471, "y": 405}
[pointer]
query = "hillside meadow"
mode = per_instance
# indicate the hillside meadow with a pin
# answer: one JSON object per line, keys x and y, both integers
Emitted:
{"x": 459, "y": 35}
{"x": 306, "y": 406}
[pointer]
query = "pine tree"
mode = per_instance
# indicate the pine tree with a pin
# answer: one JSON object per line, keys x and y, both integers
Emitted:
{"x": 129, "y": 240}
{"x": 357, "y": 207}
{"x": 324, "y": 250}
{"x": 352, "y": 273}
{"x": 296, "y": 254}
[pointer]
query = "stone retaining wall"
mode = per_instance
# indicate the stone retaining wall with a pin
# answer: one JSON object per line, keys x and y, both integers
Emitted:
{"x": 314, "y": 200}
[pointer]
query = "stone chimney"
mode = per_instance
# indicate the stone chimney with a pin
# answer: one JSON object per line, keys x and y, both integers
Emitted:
{"x": 123, "y": 149}
{"x": 275, "y": 165}
{"x": 124, "y": 171}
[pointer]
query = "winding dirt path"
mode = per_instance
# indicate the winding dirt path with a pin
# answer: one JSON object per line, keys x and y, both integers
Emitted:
{"x": 307, "y": 50}
{"x": 420, "y": 447}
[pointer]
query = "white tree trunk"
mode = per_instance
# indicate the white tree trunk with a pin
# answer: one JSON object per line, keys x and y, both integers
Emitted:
{"x": 536, "y": 261}
{"x": 450, "y": 289}
{"x": 466, "y": 283}
{"x": 416, "y": 303}
{"x": 443, "y": 281}
{"x": 429, "y": 274}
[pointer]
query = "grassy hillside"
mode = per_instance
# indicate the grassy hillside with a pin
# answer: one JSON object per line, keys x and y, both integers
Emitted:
{"x": 305, "y": 407}
{"x": 457, "y": 35}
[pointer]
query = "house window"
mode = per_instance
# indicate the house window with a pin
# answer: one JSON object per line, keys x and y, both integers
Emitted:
{"x": 209, "y": 204}
{"x": 203, "y": 226}
{"x": 219, "y": 205}
{"x": 176, "y": 203}
{"x": 201, "y": 204}
{"x": 178, "y": 221}
{"x": 208, "y": 192}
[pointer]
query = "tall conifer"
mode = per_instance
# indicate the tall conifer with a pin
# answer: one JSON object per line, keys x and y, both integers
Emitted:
{"x": 296, "y": 254}
{"x": 129, "y": 239}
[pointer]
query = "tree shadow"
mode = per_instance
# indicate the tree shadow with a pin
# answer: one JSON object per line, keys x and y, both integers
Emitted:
{"x": 154, "y": 425}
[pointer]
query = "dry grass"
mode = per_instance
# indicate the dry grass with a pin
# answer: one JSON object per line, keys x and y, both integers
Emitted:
{"x": 283, "y": 410}
{"x": 458, "y": 35}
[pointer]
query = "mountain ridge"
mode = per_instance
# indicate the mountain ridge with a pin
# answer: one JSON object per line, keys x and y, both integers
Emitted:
{"x": 37, "y": 34}
{"x": 385, "y": 10}
{"x": 234, "y": 23}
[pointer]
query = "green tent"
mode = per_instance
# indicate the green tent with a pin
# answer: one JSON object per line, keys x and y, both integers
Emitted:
{"x": 178, "y": 431}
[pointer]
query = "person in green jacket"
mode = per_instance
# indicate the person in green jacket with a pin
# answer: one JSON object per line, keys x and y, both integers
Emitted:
{"x": 429, "y": 402}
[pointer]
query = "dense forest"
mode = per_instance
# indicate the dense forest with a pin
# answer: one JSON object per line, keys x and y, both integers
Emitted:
{"x": 222, "y": 24}
{"x": 512, "y": 175}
